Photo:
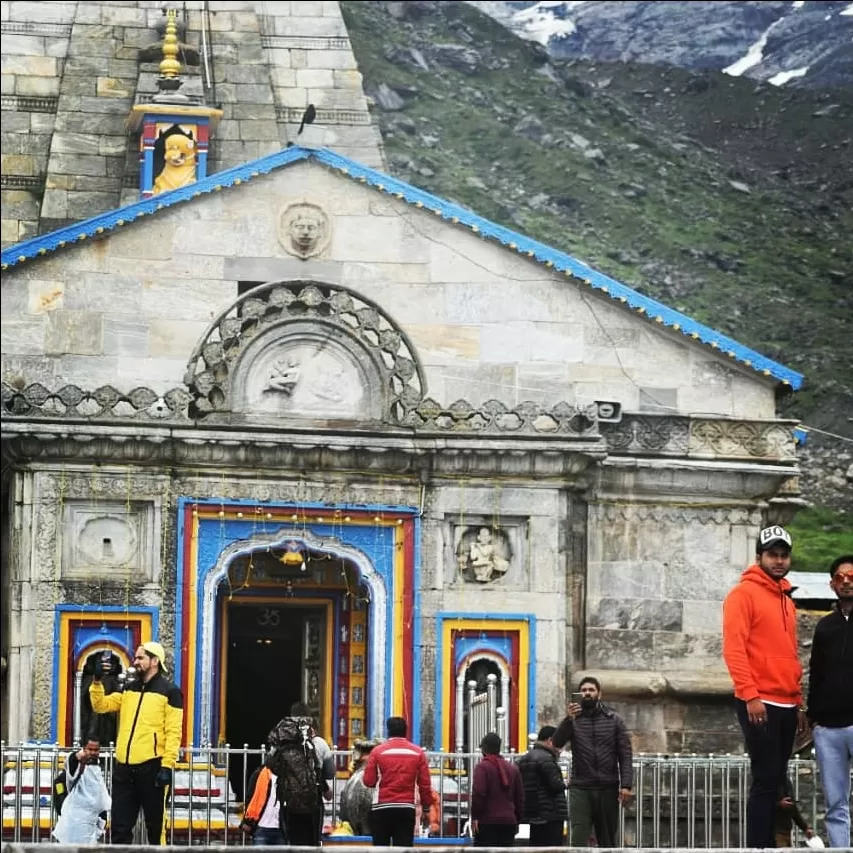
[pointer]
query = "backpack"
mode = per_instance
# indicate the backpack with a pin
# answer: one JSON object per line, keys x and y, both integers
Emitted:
{"x": 60, "y": 789}
{"x": 294, "y": 762}
{"x": 290, "y": 731}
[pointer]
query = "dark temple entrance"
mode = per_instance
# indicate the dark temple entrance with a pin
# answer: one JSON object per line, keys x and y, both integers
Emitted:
{"x": 271, "y": 663}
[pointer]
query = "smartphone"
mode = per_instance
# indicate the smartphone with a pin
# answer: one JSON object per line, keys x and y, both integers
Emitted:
{"x": 576, "y": 698}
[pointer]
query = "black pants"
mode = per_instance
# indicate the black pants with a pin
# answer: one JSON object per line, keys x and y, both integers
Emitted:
{"x": 549, "y": 834}
{"x": 593, "y": 811}
{"x": 495, "y": 835}
{"x": 393, "y": 826}
{"x": 769, "y": 747}
{"x": 134, "y": 788}
{"x": 303, "y": 830}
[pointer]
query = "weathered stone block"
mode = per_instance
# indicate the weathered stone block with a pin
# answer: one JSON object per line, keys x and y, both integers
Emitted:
{"x": 125, "y": 338}
{"x": 616, "y": 649}
{"x": 636, "y": 615}
{"x": 21, "y": 45}
{"x": 314, "y": 78}
{"x": 174, "y": 338}
{"x": 74, "y": 333}
{"x": 44, "y": 296}
{"x": 34, "y": 66}
{"x": 37, "y": 86}
{"x": 91, "y": 292}
{"x": 17, "y": 164}
{"x": 445, "y": 344}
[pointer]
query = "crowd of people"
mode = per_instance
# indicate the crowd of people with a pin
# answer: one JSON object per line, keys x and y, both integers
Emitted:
{"x": 285, "y": 797}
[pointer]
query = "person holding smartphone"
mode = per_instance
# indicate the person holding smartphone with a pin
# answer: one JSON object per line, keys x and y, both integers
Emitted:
{"x": 602, "y": 765}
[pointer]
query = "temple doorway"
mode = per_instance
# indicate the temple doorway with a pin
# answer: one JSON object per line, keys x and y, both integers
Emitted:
{"x": 275, "y": 656}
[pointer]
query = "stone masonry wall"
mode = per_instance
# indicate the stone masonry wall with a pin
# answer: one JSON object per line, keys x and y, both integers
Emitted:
{"x": 71, "y": 73}
{"x": 33, "y": 57}
{"x": 128, "y": 309}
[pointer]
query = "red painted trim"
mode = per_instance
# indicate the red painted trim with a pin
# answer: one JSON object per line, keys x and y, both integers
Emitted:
{"x": 515, "y": 642}
{"x": 408, "y": 616}
{"x": 189, "y": 529}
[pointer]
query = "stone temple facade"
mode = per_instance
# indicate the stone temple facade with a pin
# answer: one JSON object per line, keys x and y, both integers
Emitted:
{"x": 329, "y": 437}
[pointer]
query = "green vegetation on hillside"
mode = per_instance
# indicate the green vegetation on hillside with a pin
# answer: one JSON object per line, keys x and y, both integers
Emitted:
{"x": 820, "y": 535}
{"x": 729, "y": 201}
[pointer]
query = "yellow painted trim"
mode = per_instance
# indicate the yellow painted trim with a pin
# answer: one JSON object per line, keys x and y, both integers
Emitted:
{"x": 448, "y": 688}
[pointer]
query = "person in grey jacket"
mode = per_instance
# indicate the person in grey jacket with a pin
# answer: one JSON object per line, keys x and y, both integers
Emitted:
{"x": 545, "y": 806}
{"x": 602, "y": 766}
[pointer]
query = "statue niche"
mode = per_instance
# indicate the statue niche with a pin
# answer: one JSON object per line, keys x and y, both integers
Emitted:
{"x": 483, "y": 554}
{"x": 174, "y": 160}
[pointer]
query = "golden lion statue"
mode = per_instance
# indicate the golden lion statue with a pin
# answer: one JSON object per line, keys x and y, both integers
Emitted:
{"x": 179, "y": 165}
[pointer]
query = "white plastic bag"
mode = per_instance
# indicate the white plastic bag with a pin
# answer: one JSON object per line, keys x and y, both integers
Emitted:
{"x": 815, "y": 842}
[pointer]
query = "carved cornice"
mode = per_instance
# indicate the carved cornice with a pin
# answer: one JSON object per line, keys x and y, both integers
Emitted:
{"x": 493, "y": 416}
{"x": 701, "y": 438}
{"x": 35, "y": 28}
{"x": 30, "y": 103}
{"x": 71, "y": 403}
{"x": 293, "y": 115}
{"x": 609, "y": 513}
{"x": 306, "y": 42}
{"x": 277, "y": 451}
{"x": 22, "y": 182}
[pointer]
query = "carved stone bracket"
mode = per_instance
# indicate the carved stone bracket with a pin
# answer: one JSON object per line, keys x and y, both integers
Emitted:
{"x": 343, "y": 312}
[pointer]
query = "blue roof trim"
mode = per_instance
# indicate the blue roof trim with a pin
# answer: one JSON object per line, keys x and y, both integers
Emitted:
{"x": 552, "y": 258}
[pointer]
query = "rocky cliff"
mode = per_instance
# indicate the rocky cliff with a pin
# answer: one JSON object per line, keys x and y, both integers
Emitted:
{"x": 785, "y": 43}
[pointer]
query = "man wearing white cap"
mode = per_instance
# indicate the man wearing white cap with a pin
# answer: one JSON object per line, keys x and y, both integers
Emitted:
{"x": 150, "y": 721}
{"x": 761, "y": 653}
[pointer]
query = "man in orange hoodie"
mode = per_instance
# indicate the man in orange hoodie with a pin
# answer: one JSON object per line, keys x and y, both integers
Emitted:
{"x": 760, "y": 650}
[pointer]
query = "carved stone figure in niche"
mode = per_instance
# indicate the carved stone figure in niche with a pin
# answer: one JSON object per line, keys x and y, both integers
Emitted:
{"x": 179, "y": 162}
{"x": 304, "y": 230}
{"x": 285, "y": 376}
{"x": 311, "y": 379}
{"x": 483, "y": 554}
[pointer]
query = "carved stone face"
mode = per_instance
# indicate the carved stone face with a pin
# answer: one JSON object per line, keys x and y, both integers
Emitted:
{"x": 304, "y": 230}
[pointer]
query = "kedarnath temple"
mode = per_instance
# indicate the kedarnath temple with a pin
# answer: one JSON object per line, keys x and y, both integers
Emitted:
{"x": 329, "y": 437}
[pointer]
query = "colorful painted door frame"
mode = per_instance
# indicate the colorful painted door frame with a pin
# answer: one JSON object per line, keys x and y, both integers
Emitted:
{"x": 382, "y": 541}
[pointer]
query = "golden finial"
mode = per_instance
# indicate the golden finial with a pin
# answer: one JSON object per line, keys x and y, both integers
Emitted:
{"x": 170, "y": 67}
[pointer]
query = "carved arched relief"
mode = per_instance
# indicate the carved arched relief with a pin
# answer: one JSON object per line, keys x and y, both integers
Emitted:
{"x": 483, "y": 554}
{"x": 297, "y": 349}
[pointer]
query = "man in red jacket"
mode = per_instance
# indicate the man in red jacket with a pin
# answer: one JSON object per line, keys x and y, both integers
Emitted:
{"x": 393, "y": 769}
{"x": 760, "y": 651}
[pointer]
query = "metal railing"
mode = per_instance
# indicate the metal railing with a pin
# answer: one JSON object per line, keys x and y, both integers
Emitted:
{"x": 682, "y": 800}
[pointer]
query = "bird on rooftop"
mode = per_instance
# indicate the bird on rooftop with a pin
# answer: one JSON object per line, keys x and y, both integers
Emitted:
{"x": 307, "y": 118}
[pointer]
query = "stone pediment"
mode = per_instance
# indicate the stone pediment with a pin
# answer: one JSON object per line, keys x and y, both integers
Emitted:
{"x": 304, "y": 351}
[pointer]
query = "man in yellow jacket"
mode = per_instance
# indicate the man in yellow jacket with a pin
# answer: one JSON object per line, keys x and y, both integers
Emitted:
{"x": 150, "y": 722}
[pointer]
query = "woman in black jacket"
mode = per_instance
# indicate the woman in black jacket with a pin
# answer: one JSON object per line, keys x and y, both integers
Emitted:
{"x": 545, "y": 806}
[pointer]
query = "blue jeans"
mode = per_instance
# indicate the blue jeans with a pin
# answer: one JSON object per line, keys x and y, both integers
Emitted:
{"x": 834, "y": 748}
{"x": 268, "y": 837}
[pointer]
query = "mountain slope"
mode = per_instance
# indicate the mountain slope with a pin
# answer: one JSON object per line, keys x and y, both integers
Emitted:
{"x": 728, "y": 202}
{"x": 786, "y": 43}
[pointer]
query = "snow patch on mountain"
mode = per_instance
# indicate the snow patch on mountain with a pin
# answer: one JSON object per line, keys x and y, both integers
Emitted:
{"x": 754, "y": 55}
{"x": 539, "y": 22}
{"x": 783, "y": 77}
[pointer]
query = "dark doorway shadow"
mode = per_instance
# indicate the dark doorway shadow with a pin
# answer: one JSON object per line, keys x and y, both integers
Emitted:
{"x": 263, "y": 677}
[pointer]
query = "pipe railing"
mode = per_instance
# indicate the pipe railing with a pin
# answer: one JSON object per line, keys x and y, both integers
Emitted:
{"x": 686, "y": 801}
